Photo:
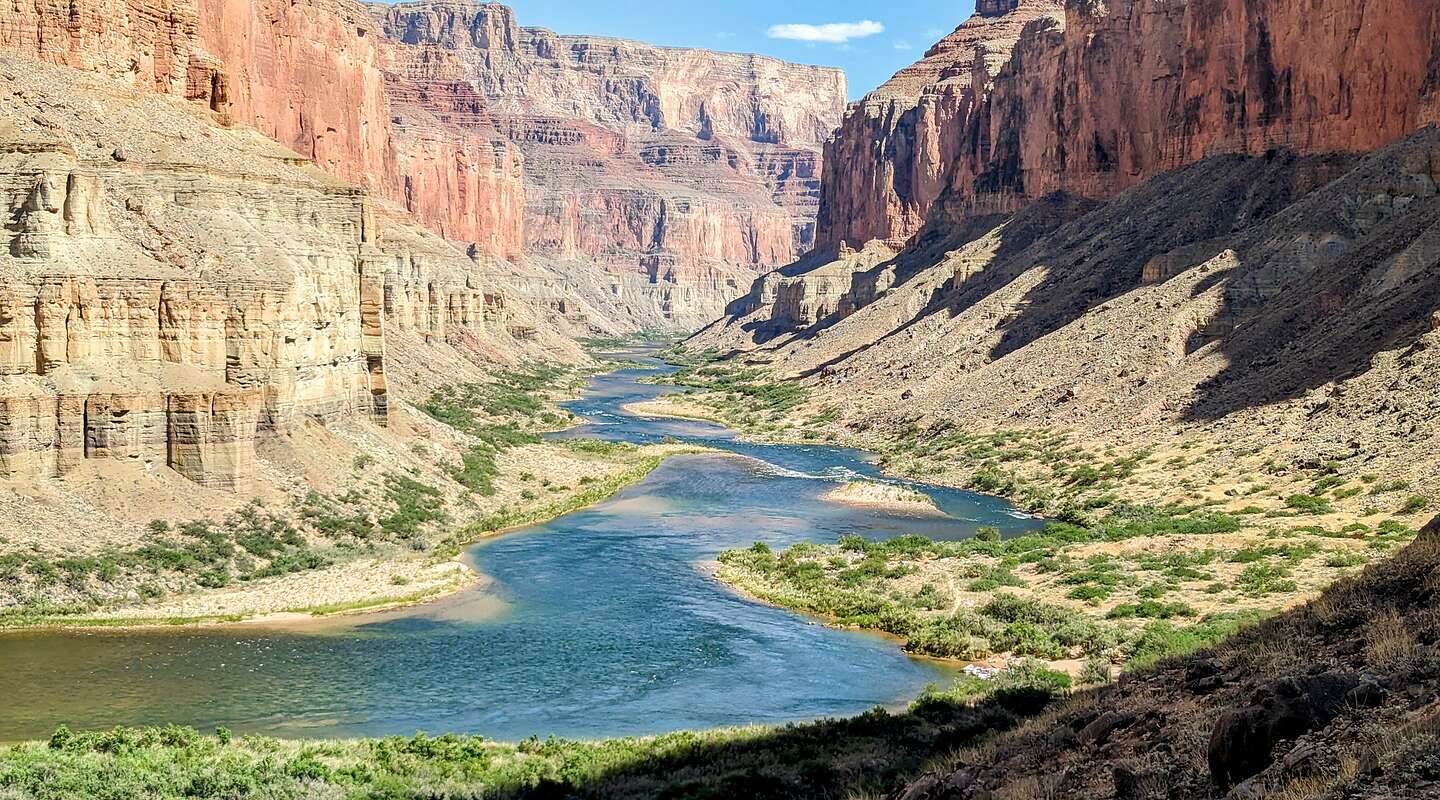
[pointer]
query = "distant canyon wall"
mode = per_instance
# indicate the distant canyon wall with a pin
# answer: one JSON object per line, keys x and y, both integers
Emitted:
{"x": 681, "y": 172}
{"x": 675, "y": 175}
{"x": 896, "y": 148}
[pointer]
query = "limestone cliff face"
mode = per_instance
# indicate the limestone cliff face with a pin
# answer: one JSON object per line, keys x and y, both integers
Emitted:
{"x": 174, "y": 289}
{"x": 680, "y": 172}
{"x": 1030, "y": 97}
{"x": 894, "y": 152}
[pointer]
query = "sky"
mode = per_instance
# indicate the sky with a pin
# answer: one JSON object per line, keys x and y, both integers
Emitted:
{"x": 869, "y": 39}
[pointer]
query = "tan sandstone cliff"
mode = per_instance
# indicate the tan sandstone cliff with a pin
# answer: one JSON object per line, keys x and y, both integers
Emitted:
{"x": 178, "y": 288}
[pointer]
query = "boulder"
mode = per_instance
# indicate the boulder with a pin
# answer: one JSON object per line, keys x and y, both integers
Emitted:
{"x": 1243, "y": 739}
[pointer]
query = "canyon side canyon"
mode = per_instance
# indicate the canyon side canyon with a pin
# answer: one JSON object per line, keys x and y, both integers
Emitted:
{"x": 1230, "y": 183}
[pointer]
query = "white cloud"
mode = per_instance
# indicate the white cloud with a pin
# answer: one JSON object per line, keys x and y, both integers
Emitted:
{"x": 830, "y": 32}
{"x": 902, "y": 46}
{"x": 724, "y": 35}
{"x": 934, "y": 33}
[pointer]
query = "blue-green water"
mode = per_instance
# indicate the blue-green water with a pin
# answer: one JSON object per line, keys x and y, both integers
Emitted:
{"x": 607, "y": 624}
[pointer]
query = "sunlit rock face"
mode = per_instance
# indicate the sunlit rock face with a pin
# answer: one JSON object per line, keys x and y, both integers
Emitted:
{"x": 175, "y": 286}
{"x": 1029, "y": 98}
{"x": 680, "y": 172}
{"x": 896, "y": 148}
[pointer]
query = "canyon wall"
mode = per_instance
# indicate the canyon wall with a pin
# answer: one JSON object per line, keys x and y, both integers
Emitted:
{"x": 315, "y": 76}
{"x": 1033, "y": 97}
{"x": 176, "y": 288}
{"x": 680, "y": 172}
{"x": 1030, "y": 97}
{"x": 1125, "y": 90}
{"x": 894, "y": 152}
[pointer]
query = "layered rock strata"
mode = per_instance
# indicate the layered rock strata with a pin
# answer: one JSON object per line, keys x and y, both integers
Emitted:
{"x": 896, "y": 148}
{"x": 175, "y": 289}
{"x": 679, "y": 172}
{"x": 1022, "y": 102}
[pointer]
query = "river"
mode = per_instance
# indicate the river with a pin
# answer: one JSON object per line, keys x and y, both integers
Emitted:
{"x": 599, "y": 623}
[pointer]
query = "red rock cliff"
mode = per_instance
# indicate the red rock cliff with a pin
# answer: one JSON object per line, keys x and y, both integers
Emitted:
{"x": 313, "y": 74}
{"x": 1130, "y": 88}
{"x": 893, "y": 154}
{"x": 1021, "y": 101}
{"x": 680, "y": 172}
{"x": 151, "y": 45}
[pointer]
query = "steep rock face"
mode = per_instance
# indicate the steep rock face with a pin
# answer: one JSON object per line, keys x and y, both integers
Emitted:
{"x": 174, "y": 290}
{"x": 1110, "y": 95}
{"x": 680, "y": 172}
{"x": 893, "y": 154}
{"x": 314, "y": 75}
{"x": 151, "y": 45}
{"x": 1129, "y": 89}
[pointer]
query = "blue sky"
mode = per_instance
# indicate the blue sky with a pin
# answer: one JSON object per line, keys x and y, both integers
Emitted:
{"x": 869, "y": 39}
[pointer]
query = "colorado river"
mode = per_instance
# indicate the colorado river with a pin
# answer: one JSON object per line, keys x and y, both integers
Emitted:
{"x": 599, "y": 623}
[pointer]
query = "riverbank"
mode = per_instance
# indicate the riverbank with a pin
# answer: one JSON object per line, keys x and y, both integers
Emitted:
{"x": 376, "y": 519}
{"x": 1158, "y": 550}
{"x": 823, "y": 758}
{"x": 394, "y": 578}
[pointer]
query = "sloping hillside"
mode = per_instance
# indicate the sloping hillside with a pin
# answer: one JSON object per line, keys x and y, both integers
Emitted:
{"x": 1335, "y": 699}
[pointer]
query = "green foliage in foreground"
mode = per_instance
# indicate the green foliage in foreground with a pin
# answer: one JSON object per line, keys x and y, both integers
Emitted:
{"x": 825, "y": 759}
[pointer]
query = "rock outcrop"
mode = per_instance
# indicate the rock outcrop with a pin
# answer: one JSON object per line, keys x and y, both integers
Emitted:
{"x": 895, "y": 150}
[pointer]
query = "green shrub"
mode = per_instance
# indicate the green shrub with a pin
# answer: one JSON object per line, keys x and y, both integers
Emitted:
{"x": 1261, "y": 579}
{"x": 987, "y": 533}
{"x": 1163, "y": 640}
{"x": 1028, "y": 686}
{"x": 1308, "y": 504}
{"x": 1096, "y": 672}
{"x": 1414, "y": 504}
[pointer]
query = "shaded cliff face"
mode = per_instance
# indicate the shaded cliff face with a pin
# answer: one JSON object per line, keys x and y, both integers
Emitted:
{"x": 680, "y": 172}
{"x": 894, "y": 152}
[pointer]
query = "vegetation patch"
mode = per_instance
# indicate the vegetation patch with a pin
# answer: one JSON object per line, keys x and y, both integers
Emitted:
{"x": 826, "y": 758}
{"x": 1116, "y": 589}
